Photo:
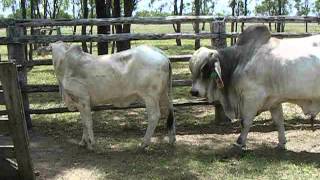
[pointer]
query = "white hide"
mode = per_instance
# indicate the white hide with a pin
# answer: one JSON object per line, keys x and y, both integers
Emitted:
{"x": 141, "y": 73}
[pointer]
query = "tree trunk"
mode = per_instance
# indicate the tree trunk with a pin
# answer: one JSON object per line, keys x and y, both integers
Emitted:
{"x": 45, "y": 9}
{"x": 74, "y": 17}
{"x": 38, "y": 10}
{"x": 91, "y": 27}
{"x": 233, "y": 7}
{"x": 128, "y": 9}
{"x": 24, "y": 16}
{"x": 23, "y": 9}
{"x": 177, "y": 27}
{"x": 101, "y": 11}
{"x": 245, "y": 13}
{"x": 31, "y": 46}
{"x": 196, "y": 25}
{"x": 117, "y": 13}
{"x": 279, "y": 13}
{"x": 84, "y": 28}
{"x": 238, "y": 14}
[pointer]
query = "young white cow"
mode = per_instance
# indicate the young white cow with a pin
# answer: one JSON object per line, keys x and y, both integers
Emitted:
{"x": 86, "y": 80}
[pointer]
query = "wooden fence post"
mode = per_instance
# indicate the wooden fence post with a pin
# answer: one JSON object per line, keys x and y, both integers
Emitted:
{"x": 219, "y": 27}
{"x": 17, "y": 124}
{"x": 16, "y": 52}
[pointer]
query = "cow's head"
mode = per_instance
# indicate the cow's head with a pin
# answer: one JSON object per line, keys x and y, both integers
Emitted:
{"x": 206, "y": 73}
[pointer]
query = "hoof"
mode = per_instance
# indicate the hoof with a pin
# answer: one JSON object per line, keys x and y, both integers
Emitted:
{"x": 90, "y": 147}
{"x": 240, "y": 146}
{"x": 281, "y": 147}
{"x": 172, "y": 140}
{"x": 144, "y": 145}
{"x": 82, "y": 143}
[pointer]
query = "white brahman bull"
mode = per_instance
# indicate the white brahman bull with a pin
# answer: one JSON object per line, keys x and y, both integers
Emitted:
{"x": 259, "y": 73}
{"x": 141, "y": 73}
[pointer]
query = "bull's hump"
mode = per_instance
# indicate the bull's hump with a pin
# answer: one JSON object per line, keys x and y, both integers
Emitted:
{"x": 254, "y": 33}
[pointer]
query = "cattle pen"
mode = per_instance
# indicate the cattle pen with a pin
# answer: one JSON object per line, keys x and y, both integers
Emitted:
{"x": 17, "y": 37}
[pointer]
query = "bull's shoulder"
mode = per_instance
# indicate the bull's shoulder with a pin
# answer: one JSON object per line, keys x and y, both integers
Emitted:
{"x": 255, "y": 33}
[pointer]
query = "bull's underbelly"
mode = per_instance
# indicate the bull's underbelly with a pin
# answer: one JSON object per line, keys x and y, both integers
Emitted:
{"x": 309, "y": 105}
{"x": 121, "y": 101}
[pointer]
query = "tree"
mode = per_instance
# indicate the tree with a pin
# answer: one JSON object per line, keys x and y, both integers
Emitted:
{"x": 196, "y": 25}
{"x": 273, "y": 8}
{"x": 129, "y": 6}
{"x": 303, "y": 8}
{"x": 283, "y": 9}
{"x": 116, "y": 12}
{"x": 177, "y": 27}
{"x": 207, "y": 8}
{"x": 245, "y": 12}
{"x": 232, "y": 4}
{"x": 23, "y": 9}
{"x": 103, "y": 11}
{"x": 85, "y": 15}
{"x": 316, "y": 8}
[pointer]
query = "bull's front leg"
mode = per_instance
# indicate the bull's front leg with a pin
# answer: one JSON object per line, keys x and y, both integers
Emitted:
{"x": 86, "y": 118}
{"x": 277, "y": 117}
{"x": 248, "y": 112}
{"x": 153, "y": 111}
{"x": 246, "y": 124}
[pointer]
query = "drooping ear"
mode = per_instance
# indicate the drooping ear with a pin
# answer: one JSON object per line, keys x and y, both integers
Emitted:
{"x": 215, "y": 70}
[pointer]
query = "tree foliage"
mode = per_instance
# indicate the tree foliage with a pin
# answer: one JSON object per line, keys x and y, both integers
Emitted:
{"x": 302, "y": 7}
{"x": 271, "y": 7}
{"x": 316, "y": 8}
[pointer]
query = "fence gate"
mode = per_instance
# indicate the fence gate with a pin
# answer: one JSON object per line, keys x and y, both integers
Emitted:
{"x": 15, "y": 122}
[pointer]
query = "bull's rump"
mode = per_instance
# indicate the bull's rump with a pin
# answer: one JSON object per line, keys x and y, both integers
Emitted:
{"x": 289, "y": 68}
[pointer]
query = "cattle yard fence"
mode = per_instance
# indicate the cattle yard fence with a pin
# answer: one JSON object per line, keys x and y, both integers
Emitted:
{"x": 17, "y": 37}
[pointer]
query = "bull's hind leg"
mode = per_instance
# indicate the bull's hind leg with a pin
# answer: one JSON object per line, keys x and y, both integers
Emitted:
{"x": 153, "y": 111}
{"x": 277, "y": 117}
{"x": 168, "y": 112}
{"x": 86, "y": 118}
{"x": 171, "y": 125}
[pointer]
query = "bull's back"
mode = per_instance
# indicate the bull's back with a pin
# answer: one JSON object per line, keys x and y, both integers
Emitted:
{"x": 291, "y": 68}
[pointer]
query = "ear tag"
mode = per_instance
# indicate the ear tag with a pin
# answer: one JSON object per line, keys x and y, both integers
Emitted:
{"x": 213, "y": 75}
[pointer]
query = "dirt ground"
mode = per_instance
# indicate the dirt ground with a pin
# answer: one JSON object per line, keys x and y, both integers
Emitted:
{"x": 118, "y": 156}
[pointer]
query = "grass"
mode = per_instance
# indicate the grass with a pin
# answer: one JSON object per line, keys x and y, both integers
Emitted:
{"x": 203, "y": 149}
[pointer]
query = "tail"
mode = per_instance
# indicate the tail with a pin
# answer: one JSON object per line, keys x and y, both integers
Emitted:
{"x": 170, "y": 119}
